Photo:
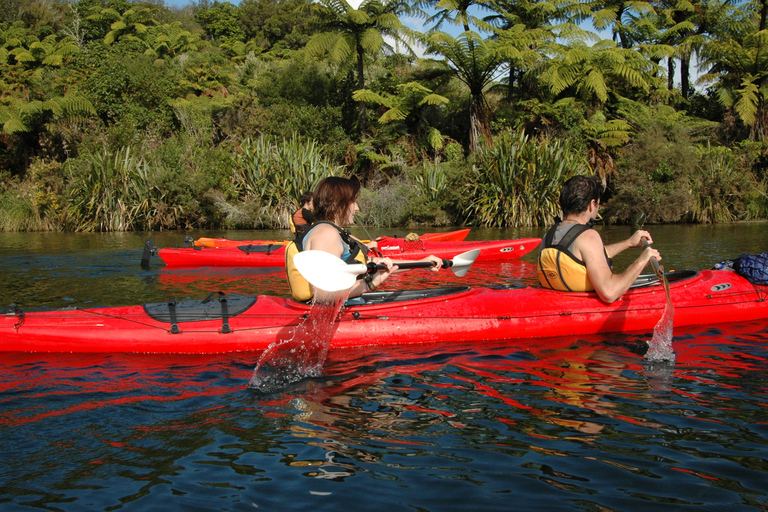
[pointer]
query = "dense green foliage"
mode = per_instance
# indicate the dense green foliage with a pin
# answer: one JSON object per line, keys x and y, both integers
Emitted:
{"x": 125, "y": 115}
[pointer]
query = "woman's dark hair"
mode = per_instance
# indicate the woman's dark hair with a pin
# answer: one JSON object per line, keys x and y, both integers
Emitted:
{"x": 333, "y": 196}
{"x": 577, "y": 193}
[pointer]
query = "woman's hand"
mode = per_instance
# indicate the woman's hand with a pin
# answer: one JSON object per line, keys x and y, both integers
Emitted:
{"x": 387, "y": 262}
{"x": 437, "y": 263}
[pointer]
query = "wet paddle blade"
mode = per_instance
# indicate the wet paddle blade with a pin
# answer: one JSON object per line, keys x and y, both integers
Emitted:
{"x": 462, "y": 262}
{"x": 327, "y": 272}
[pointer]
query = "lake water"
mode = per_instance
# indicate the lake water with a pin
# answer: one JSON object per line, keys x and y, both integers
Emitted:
{"x": 575, "y": 423}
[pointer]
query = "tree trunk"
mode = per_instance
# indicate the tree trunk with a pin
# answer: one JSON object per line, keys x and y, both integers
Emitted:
{"x": 361, "y": 113}
{"x": 478, "y": 123}
{"x": 670, "y": 73}
{"x": 759, "y": 131}
{"x": 685, "y": 76}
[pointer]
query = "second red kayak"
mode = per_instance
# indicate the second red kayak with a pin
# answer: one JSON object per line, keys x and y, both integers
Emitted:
{"x": 268, "y": 255}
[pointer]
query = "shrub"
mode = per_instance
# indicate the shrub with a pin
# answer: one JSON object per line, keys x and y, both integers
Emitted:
{"x": 653, "y": 177}
{"x": 386, "y": 204}
{"x": 309, "y": 122}
{"x": 719, "y": 188}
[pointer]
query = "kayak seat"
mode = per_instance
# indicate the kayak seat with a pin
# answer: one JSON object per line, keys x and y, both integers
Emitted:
{"x": 645, "y": 280}
{"x": 224, "y": 308}
{"x": 267, "y": 248}
{"x": 403, "y": 295}
{"x": 509, "y": 286}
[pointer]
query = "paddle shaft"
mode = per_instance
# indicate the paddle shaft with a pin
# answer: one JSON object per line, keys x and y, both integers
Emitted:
{"x": 330, "y": 273}
{"x": 656, "y": 267}
{"x": 654, "y": 262}
{"x": 374, "y": 249}
{"x": 659, "y": 270}
{"x": 373, "y": 267}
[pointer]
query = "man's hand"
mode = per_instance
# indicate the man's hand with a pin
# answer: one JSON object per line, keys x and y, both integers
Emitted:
{"x": 636, "y": 240}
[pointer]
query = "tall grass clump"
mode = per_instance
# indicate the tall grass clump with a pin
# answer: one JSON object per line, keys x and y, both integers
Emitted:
{"x": 35, "y": 203}
{"x": 274, "y": 174}
{"x": 517, "y": 182}
{"x": 17, "y": 208}
{"x": 115, "y": 191}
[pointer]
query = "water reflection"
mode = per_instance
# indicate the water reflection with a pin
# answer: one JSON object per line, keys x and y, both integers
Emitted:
{"x": 579, "y": 417}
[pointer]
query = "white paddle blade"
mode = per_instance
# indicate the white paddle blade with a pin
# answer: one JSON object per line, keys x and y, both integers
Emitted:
{"x": 462, "y": 262}
{"x": 327, "y": 272}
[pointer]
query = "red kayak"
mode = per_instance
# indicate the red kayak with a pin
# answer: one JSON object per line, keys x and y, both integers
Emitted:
{"x": 446, "y": 315}
{"x": 448, "y": 236}
{"x": 395, "y": 248}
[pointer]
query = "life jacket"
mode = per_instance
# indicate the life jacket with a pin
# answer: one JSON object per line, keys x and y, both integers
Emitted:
{"x": 301, "y": 290}
{"x": 558, "y": 268}
{"x": 301, "y": 221}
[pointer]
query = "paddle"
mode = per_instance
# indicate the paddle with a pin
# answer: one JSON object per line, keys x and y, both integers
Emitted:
{"x": 660, "y": 346}
{"x": 657, "y": 268}
{"x": 375, "y": 250}
{"x": 327, "y": 272}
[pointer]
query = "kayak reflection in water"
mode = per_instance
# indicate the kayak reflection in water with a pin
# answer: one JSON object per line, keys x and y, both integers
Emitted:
{"x": 335, "y": 202}
{"x": 572, "y": 256}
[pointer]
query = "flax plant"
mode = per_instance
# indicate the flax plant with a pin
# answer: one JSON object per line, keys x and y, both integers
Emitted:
{"x": 432, "y": 182}
{"x": 115, "y": 192}
{"x": 276, "y": 173}
{"x": 517, "y": 182}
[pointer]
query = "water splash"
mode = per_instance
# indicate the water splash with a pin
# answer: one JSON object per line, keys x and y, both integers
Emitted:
{"x": 660, "y": 346}
{"x": 286, "y": 362}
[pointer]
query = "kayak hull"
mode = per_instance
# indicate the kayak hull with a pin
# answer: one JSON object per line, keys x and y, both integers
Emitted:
{"x": 449, "y": 315}
{"x": 395, "y": 248}
{"x": 448, "y": 236}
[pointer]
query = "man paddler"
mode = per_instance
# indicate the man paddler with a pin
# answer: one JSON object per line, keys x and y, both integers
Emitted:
{"x": 303, "y": 218}
{"x": 572, "y": 256}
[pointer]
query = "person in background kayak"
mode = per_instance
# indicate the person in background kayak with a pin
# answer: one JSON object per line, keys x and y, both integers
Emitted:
{"x": 572, "y": 256}
{"x": 304, "y": 216}
{"x": 335, "y": 202}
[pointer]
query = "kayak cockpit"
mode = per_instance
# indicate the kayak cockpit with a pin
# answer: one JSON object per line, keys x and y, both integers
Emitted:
{"x": 645, "y": 280}
{"x": 376, "y": 298}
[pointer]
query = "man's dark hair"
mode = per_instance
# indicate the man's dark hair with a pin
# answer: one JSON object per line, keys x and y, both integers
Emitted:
{"x": 577, "y": 193}
{"x": 305, "y": 198}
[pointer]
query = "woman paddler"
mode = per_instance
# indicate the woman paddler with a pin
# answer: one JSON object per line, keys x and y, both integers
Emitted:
{"x": 335, "y": 205}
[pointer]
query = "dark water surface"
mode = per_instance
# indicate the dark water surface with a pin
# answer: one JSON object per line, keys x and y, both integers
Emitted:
{"x": 578, "y": 423}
